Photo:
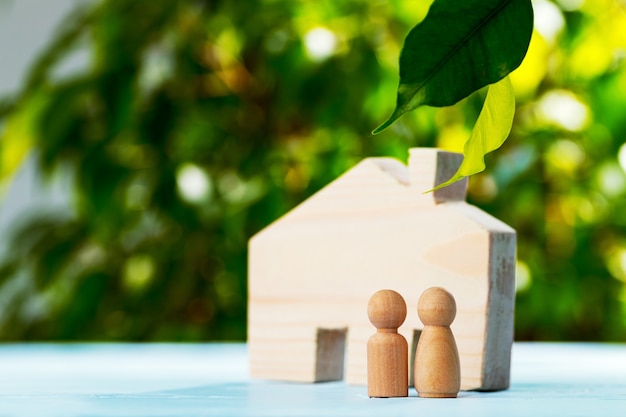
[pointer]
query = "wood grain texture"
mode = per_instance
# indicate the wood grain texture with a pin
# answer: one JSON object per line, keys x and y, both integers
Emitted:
{"x": 387, "y": 366}
{"x": 387, "y": 351}
{"x": 372, "y": 228}
{"x": 437, "y": 367}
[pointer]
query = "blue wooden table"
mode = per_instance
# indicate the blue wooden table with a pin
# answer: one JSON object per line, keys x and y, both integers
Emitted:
{"x": 212, "y": 380}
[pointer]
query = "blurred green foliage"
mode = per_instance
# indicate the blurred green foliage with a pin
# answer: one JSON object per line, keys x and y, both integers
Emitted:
{"x": 197, "y": 123}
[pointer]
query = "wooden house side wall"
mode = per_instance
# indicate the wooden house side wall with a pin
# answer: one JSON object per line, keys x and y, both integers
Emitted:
{"x": 328, "y": 280}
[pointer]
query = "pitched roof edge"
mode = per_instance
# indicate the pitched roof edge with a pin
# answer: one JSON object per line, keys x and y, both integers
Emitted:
{"x": 482, "y": 218}
{"x": 392, "y": 167}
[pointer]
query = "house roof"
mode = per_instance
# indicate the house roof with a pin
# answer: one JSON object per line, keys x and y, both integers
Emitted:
{"x": 379, "y": 187}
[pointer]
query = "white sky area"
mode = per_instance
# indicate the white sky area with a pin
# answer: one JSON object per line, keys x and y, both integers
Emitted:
{"x": 26, "y": 26}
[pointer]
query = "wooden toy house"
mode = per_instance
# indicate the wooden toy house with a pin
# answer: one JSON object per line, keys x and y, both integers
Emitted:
{"x": 311, "y": 272}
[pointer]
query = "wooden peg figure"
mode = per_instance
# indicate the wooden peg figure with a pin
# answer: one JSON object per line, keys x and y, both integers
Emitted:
{"x": 437, "y": 368}
{"x": 387, "y": 350}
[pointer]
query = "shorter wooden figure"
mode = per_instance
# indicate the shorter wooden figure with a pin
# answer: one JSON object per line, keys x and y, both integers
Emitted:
{"x": 437, "y": 368}
{"x": 387, "y": 350}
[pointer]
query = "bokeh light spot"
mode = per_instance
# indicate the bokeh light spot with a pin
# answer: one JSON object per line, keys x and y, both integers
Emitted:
{"x": 523, "y": 277}
{"x": 549, "y": 20}
{"x": 138, "y": 272}
{"x": 193, "y": 183}
{"x": 611, "y": 179}
{"x": 621, "y": 156}
{"x": 320, "y": 43}
{"x": 564, "y": 109}
{"x": 565, "y": 155}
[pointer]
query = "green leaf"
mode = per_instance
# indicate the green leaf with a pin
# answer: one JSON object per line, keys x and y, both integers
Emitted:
{"x": 491, "y": 130}
{"x": 460, "y": 47}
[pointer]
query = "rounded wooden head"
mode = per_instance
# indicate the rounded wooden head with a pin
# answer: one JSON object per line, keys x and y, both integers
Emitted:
{"x": 436, "y": 307}
{"x": 386, "y": 309}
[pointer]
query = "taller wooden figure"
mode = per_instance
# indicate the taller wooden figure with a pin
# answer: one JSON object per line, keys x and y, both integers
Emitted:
{"x": 437, "y": 368}
{"x": 387, "y": 350}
